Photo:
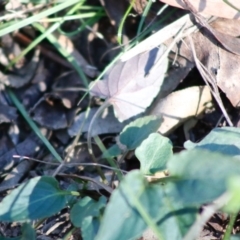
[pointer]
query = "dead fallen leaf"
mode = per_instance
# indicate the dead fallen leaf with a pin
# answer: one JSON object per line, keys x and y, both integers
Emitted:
{"x": 79, "y": 154}
{"x": 161, "y": 36}
{"x": 181, "y": 105}
{"x": 131, "y": 86}
{"x": 222, "y": 64}
{"x": 5, "y": 142}
{"x": 23, "y": 75}
{"x": 178, "y": 70}
{"x": 210, "y": 7}
{"x": 63, "y": 86}
{"x": 11, "y": 49}
{"x": 105, "y": 123}
{"x": 51, "y": 112}
{"x": 115, "y": 10}
{"x": 139, "y": 5}
{"x": 230, "y": 43}
{"x": 16, "y": 174}
{"x": 67, "y": 44}
{"x": 40, "y": 82}
{"x": 25, "y": 148}
{"x": 7, "y": 114}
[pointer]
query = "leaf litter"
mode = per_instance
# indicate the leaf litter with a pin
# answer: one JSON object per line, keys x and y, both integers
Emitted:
{"x": 141, "y": 82}
{"x": 131, "y": 86}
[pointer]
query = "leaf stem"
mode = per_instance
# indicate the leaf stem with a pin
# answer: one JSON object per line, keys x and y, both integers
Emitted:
{"x": 120, "y": 29}
{"x": 144, "y": 214}
{"x": 144, "y": 15}
{"x": 109, "y": 159}
{"x": 105, "y": 105}
{"x": 227, "y": 234}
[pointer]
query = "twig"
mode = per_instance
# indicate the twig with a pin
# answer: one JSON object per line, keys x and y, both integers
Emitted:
{"x": 73, "y": 145}
{"x": 106, "y": 187}
{"x": 67, "y": 164}
{"x": 48, "y": 53}
{"x": 210, "y": 81}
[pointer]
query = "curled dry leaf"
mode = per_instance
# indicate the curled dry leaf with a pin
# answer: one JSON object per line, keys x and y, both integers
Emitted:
{"x": 223, "y": 65}
{"x": 131, "y": 86}
{"x": 228, "y": 42}
{"x": 181, "y": 105}
{"x": 217, "y": 8}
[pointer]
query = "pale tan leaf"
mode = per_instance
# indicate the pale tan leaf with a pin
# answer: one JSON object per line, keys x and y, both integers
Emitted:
{"x": 181, "y": 105}
{"x": 131, "y": 86}
{"x": 222, "y": 64}
{"x": 210, "y": 7}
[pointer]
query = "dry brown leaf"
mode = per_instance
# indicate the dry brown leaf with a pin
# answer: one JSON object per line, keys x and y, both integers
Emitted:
{"x": 115, "y": 10}
{"x": 7, "y": 114}
{"x": 23, "y": 75}
{"x": 210, "y": 7}
{"x": 222, "y": 64}
{"x": 181, "y": 105}
{"x": 105, "y": 123}
{"x": 139, "y": 5}
{"x": 25, "y": 148}
{"x": 51, "y": 112}
{"x": 160, "y": 37}
{"x": 230, "y": 43}
{"x": 16, "y": 174}
{"x": 131, "y": 86}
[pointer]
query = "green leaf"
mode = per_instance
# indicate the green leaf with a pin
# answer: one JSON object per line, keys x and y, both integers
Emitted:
{"x": 153, "y": 153}
{"x": 113, "y": 151}
{"x": 175, "y": 218}
{"x": 71, "y": 199}
{"x": 223, "y": 140}
{"x": 89, "y": 228}
{"x": 86, "y": 207}
{"x": 134, "y": 133}
{"x": 201, "y": 175}
{"x": 235, "y": 237}
{"x": 9, "y": 238}
{"x": 233, "y": 205}
{"x": 37, "y": 198}
{"x": 28, "y": 232}
{"x": 122, "y": 221}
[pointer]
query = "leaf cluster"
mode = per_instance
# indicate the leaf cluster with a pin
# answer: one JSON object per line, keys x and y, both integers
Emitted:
{"x": 168, "y": 205}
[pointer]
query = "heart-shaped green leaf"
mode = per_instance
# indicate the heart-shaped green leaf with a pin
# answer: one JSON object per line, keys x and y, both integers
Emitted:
{"x": 86, "y": 207}
{"x": 122, "y": 221}
{"x": 153, "y": 153}
{"x": 135, "y": 132}
{"x": 37, "y": 198}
